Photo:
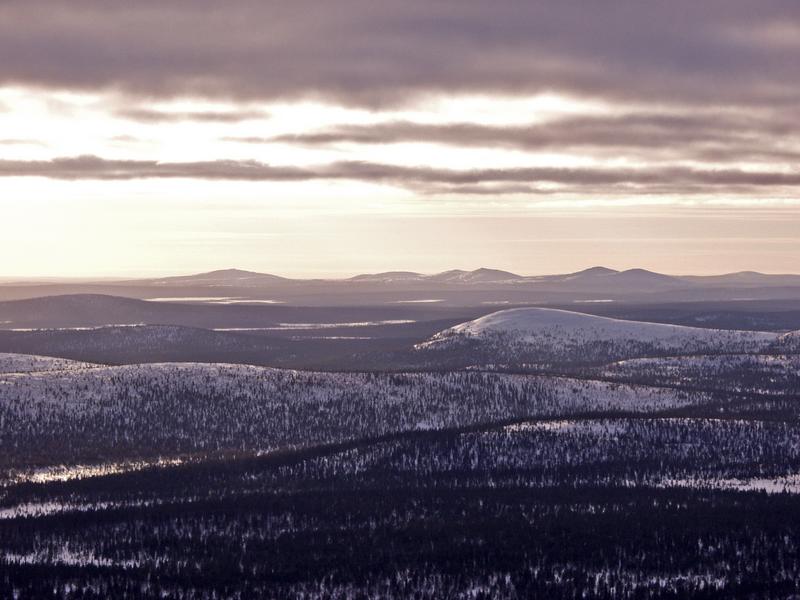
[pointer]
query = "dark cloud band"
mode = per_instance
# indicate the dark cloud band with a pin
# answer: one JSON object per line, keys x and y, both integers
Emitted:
{"x": 715, "y": 52}
{"x": 422, "y": 179}
{"x": 704, "y": 137}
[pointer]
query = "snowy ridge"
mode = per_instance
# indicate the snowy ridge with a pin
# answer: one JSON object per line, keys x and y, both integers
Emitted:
{"x": 790, "y": 342}
{"x": 530, "y": 323}
{"x": 158, "y": 411}
{"x": 26, "y": 363}
{"x": 560, "y": 334}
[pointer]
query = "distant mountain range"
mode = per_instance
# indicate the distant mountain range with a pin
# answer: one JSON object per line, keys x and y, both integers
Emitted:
{"x": 592, "y": 277}
{"x": 455, "y": 287}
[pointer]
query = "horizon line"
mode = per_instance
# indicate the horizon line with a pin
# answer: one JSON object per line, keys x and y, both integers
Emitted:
{"x": 52, "y": 279}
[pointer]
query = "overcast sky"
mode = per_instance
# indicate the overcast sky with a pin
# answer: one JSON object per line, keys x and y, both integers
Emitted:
{"x": 332, "y": 138}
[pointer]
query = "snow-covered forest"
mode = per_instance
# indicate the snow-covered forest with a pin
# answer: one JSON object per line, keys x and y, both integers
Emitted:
{"x": 533, "y": 454}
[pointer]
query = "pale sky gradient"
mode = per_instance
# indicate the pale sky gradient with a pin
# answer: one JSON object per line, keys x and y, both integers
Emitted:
{"x": 174, "y": 137}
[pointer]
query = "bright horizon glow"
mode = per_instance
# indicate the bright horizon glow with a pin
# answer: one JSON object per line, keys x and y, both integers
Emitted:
{"x": 90, "y": 227}
{"x": 206, "y": 236}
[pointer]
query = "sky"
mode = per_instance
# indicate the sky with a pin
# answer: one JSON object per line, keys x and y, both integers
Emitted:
{"x": 334, "y": 138}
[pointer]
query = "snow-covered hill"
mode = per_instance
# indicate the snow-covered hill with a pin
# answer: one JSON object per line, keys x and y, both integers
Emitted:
{"x": 547, "y": 335}
{"x": 789, "y": 342}
{"x": 84, "y": 414}
{"x": 27, "y": 363}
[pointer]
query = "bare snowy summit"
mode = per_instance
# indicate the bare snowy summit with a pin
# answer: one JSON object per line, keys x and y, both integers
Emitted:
{"x": 552, "y": 334}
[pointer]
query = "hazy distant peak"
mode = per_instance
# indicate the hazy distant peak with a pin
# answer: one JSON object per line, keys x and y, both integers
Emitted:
{"x": 235, "y": 274}
{"x": 746, "y": 274}
{"x": 229, "y": 273}
{"x": 229, "y": 277}
{"x": 449, "y": 274}
{"x": 482, "y": 275}
{"x": 751, "y": 279}
{"x": 592, "y": 271}
{"x": 643, "y": 274}
{"x": 389, "y": 276}
{"x": 485, "y": 272}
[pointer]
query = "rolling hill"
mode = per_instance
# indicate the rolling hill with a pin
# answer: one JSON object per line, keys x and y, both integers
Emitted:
{"x": 551, "y": 336}
{"x": 64, "y": 413}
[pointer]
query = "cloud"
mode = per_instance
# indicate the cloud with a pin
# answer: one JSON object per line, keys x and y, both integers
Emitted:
{"x": 94, "y": 167}
{"x": 537, "y": 180}
{"x": 20, "y": 142}
{"x": 706, "y": 137}
{"x": 251, "y": 139}
{"x": 360, "y": 52}
{"x": 144, "y": 115}
{"x": 125, "y": 139}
